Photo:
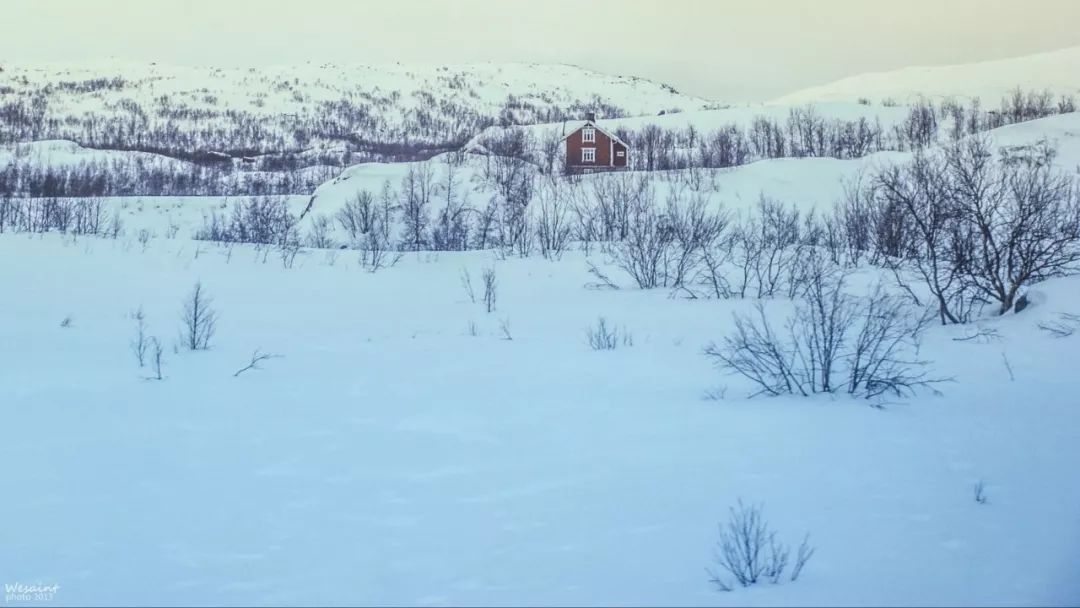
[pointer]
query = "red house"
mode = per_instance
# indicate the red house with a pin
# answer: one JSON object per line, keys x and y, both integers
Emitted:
{"x": 590, "y": 149}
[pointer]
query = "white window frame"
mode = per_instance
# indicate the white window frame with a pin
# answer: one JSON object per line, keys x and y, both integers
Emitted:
{"x": 620, "y": 153}
{"x": 588, "y": 155}
{"x": 588, "y": 135}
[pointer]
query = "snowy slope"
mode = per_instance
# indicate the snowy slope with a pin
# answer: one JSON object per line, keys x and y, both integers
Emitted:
{"x": 1056, "y": 71}
{"x": 283, "y": 89}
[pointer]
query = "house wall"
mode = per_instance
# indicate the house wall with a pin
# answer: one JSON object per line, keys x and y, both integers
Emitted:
{"x": 574, "y": 146}
{"x": 620, "y": 161}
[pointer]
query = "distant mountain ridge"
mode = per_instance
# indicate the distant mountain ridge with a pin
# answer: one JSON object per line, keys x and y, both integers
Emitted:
{"x": 1056, "y": 71}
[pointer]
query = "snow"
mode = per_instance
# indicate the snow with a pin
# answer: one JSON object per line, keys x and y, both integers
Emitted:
{"x": 390, "y": 457}
{"x": 58, "y": 153}
{"x": 988, "y": 80}
{"x": 399, "y": 449}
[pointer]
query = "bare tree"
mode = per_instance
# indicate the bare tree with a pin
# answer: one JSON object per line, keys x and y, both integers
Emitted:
{"x": 749, "y": 553}
{"x": 358, "y": 216}
{"x": 553, "y": 227}
{"x": 319, "y": 236}
{"x": 199, "y": 319}
{"x": 939, "y": 248}
{"x": 1025, "y": 217}
{"x": 418, "y": 188}
{"x": 643, "y": 251}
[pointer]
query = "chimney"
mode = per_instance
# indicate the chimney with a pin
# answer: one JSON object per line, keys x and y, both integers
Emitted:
{"x": 590, "y": 116}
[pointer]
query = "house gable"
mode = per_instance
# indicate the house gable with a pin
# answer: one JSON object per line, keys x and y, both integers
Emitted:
{"x": 591, "y": 148}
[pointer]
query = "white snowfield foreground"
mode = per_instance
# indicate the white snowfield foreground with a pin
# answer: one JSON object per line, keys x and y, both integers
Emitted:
{"x": 390, "y": 456}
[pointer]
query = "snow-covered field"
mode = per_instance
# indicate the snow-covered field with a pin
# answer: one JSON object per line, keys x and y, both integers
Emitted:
{"x": 390, "y": 456}
{"x": 402, "y": 445}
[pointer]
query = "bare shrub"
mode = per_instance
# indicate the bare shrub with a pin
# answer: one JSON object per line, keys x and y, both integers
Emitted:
{"x": 287, "y": 251}
{"x": 1024, "y": 216}
{"x": 258, "y": 219}
{"x": 199, "y": 320}
{"x": 972, "y": 230}
{"x": 748, "y": 552}
{"x": 553, "y": 228}
{"x": 358, "y": 216}
{"x": 257, "y": 357}
{"x": 466, "y": 283}
{"x": 141, "y": 343}
{"x": 866, "y": 345}
{"x": 144, "y": 238}
{"x": 375, "y": 252}
{"x": 157, "y": 358}
{"x": 491, "y": 287}
{"x": 603, "y": 281}
{"x": 758, "y": 352}
{"x": 882, "y": 353}
{"x": 418, "y": 189}
{"x": 319, "y": 235}
{"x": 604, "y": 336}
{"x": 642, "y": 251}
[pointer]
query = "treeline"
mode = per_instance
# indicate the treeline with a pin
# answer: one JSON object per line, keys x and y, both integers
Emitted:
{"x": 804, "y": 133}
{"x": 958, "y": 228}
{"x": 137, "y": 175}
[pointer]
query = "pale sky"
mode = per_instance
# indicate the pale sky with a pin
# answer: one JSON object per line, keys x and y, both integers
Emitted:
{"x": 730, "y": 50}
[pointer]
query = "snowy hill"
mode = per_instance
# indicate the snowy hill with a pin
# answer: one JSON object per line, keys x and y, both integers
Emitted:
{"x": 290, "y": 127}
{"x": 1056, "y": 71}
{"x": 188, "y": 110}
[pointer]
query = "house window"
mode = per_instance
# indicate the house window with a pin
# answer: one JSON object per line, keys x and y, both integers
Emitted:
{"x": 588, "y": 155}
{"x": 588, "y": 135}
{"x": 620, "y": 153}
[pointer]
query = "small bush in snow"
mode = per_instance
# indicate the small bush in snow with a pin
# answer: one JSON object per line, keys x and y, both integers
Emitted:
{"x": 491, "y": 286}
{"x": 66, "y": 322}
{"x": 748, "y": 552}
{"x": 319, "y": 235}
{"x": 156, "y": 357}
{"x": 865, "y": 346}
{"x": 141, "y": 343}
{"x": 199, "y": 320}
{"x": 466, "y": 283}
{"x": 607, "y": 337}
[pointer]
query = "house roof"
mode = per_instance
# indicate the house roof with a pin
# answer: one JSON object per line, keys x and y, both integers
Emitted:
{"x": 578, "y": 125}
